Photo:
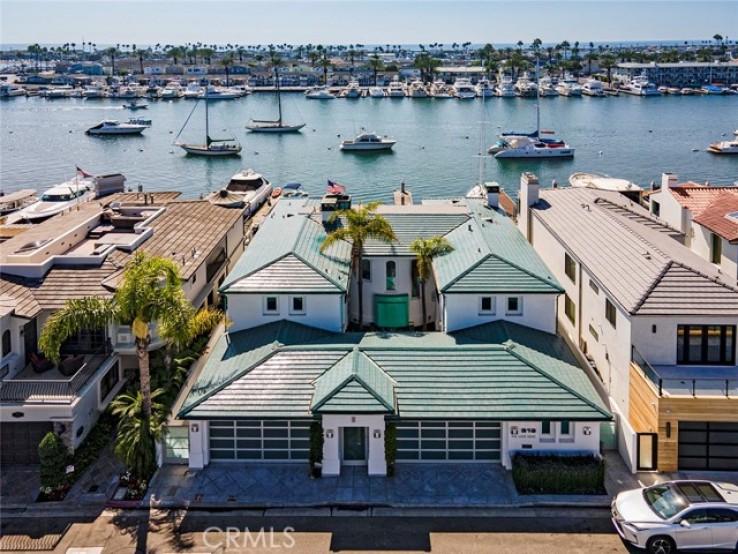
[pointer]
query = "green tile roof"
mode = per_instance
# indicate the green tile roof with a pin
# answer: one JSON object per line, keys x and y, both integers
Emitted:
{"x": 285, "y": 256}
{"x": 408, "y": 227}
{"x": 355, "y": 383}
{"x": 482, "y": 374}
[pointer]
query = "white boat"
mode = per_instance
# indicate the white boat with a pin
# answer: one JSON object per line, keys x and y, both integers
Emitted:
{"x": 439, "y": 89}
{"x": 215, "y": 93}
{"x": 640, "y": 86}
{"x": 17, "y": 200}
{"x": 11, "y": 91}
{"x": 416, "y": 89}
{"x": 133, "y": 105}
{"x": 94, "y": 91}
{"x": 271, "y": 125}
{"x": 463, "y": 89}
{"x": 352, "y": 90}
{"x": 129, "y": 92}
{"x": 172, "y": 91}
{"x": 724, "y": 147}
{"x": 368, "y": 142}
{"x": 593, "y": 87}
{"x": 216, "y": 148}
{"x": 686, "y": 91}
{"x": 319, "y": 93}
{"x": 674, "y": 90}
{"x": 113, "y": 127}
{"x": 484, "y": 88}
{"x": 600, "y": 181}
{"x": 396, "y": 89}
{"x": 531, "y": 145}
{"x": 139, "y": 121}
{"x": 56, "y": 200}
{"x": 524, "y": 87}
{"x": 192, "y": 92}
{"x": 63, "y": 91}
{"x": 569, "y": 86}
{"x": 505, "y": 87}
{"x": 246, "y": 188}
{"x": 546, "y": 87}
{"x": 376, "y": 92}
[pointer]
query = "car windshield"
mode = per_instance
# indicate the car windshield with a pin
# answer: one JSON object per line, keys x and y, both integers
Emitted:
{"x": 664, "y": 500}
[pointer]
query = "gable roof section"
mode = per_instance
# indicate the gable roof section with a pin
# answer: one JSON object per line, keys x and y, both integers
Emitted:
{"x": 410, "y": 226}
{"x": 353, "y": 384}
{"x": 696, "y": 198}
{"x": 491, "y": 255}
{"x": 717, "y": 217}
{"x": 296, "y": 238}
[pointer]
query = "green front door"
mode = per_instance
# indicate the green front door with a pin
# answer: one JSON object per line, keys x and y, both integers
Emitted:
{"x": 354, "y": 445}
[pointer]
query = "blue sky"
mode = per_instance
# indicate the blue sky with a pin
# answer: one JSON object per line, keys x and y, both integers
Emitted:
{"x": 361, "y": 21}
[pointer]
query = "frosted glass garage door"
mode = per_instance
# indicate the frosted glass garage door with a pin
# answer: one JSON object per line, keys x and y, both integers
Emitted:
{"x": 259, "y": 440}
{"x": 437, "y": 441}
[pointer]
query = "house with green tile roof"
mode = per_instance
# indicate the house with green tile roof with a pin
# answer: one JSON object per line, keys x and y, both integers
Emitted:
{"x": 491, "y": 380}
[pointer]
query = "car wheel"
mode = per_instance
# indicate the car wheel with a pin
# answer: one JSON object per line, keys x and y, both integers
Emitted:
{"x": 660, "y": 545}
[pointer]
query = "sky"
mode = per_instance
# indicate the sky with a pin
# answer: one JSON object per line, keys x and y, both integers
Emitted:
{"x": 362, "y": 21}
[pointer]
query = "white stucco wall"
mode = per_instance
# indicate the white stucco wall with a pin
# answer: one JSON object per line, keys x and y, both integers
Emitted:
{"x": 463, "y": 310}
{"x": 199, "y": 444}
{"x": 325, "y": 311}
{"x": 15, "y": 359}
{"x": 333, "y": 433}
{"x": 702, "y": 245}
{"x": 670, "y": 210}
{"x": 525, "y": 437}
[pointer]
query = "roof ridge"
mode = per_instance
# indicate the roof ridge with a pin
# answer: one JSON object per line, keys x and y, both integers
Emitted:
{"x": 257, "y": 270}
{"x": 511, "y": 349}
{"x": 316, "y": 270}
{"x": 628, "y": 229}
{"x": 465, "y": 272}
{"x": 652, "y": 287}
{"x": 647, "y": 216}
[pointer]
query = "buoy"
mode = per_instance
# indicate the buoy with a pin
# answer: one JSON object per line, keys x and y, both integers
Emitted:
{"x": 422, "y": 147}
{"x": 70, "y": 130}
{"x": 600, "y": 152}
{"x": 313, "y": 130}
{"x": 256, "y": 153}
{"x": 329, "y": 148}
{"x": 338, "y": 135}
{"x": 650, "y": 130}
{"x": 466, "y": 137}
{"x": 170, "y": 132}
{"x": 695, "y": 149}
{"x": 11, "y": 132}
{"x": 140, "y": 149}
{"x": 171, "y": 151}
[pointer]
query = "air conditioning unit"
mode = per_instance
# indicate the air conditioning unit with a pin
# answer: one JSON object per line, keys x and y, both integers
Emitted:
{"x": 124, "y": 337}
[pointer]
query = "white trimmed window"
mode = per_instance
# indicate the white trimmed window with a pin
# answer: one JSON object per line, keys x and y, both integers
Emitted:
{"x": 514, "y": 305}
{"x": 271, "y": 305}
{"x": 566, "y": 431}
{"x": 487, "y": 305}
{"x": 297, "y": 305}
{"x": 547, "y": 432}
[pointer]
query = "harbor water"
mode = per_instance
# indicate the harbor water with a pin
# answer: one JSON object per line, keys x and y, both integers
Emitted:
{"x": 437, "y": 153}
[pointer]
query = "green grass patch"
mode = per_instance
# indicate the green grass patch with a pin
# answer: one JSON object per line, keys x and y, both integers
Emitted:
{"x": 558, "y": 474}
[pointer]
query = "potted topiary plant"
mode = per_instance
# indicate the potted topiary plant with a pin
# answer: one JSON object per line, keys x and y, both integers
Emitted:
{"x": 316, "y": 449}
{"x": 390, "y": 448}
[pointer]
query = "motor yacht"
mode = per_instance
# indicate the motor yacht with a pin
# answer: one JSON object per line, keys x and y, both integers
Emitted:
{"x": 439, "y": 89}
{"x": 600, "y": 181}
{"x": 569, "y": 86}
{"x": 16, "y": 201}
{"x": 484, "y": 88}
{"x": 56, "y": 200}
{"x": 724, "y": 147}
{"x": 11, "y": 91}
{"x": 113, "y": 127}
{"x": 593, "y": 87}
{"x": 640, "y": 86}
{"x": 319, "y": 93}
{"x": 505, "y": 87}
{"x": 172, "y": 91}
{"x": 368, "y": 142}
{"x": 92, "y": 92}
{"x": 524, "y": 87}
{"x": 376, "y": 92}
{"x": 192, "y": 92}
{"x": 463, "y": 89}
{"x": 246, "y": 188}
{"x": 396, "y": 89}
{"x": 526, "y": 146}
{"x": 352, "y": 90}
{"x": 417, "y": 89}
{"x": 546, "y": 87}
{"x": 63, "y": 91}
{"x": 215, "y": 93}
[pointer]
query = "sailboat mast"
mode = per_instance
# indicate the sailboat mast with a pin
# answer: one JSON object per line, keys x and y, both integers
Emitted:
{"x": 207, "y": 122}
{"x": 538, "y": 103}
{"x": 279, "y": 96}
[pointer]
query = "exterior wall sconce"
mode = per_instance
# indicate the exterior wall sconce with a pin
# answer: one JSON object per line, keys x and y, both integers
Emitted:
{"x": 668, "y": 429}
{"x": 195, "y": 428}
{"x": 587, "y": 431}
{"x": 329, "y": 433}
{"x": 377, "y": 434}
{"x": 353, "y": 419}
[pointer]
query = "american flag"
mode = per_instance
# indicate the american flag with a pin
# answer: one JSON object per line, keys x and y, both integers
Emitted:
{"x": 335, "y": 188}
{"x": 82, "y": 173}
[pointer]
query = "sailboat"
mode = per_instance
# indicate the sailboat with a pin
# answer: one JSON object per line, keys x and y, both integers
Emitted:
{"x": 272, "y": 126}
{"x": 531, "y": 145}
{"x": 212, "y": 147}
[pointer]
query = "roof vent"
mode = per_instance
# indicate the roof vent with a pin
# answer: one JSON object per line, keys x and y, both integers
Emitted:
{"x": 470, "y": 228}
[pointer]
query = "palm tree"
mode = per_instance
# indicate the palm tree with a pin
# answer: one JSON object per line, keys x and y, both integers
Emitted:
{"x": 137, "y": 433}
{"x": 112, "y": 52}
{"x": 425, "y": 250}
{"x": 607, "y": 62}
{"x": 140, "y": 54}
{"x": 361, "y": 224}
{"x": 151, "y": 293}
{"x": 326, "y": 64}
{"x": 175, "y": 53}
{"x": 376, "y": 63}
{"x": 227, "y": 62}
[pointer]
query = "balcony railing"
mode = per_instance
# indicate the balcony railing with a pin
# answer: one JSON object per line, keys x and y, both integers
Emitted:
{"x": 692, "y": 386}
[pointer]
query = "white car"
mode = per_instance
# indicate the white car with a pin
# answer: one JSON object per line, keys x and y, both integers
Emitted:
{"x": 679, "y": 515}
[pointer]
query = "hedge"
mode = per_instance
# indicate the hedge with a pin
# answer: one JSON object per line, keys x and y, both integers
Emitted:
{"x": 558, "y": 474}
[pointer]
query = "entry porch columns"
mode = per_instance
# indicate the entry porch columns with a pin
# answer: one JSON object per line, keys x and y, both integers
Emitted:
{"x": 333, "y": 425}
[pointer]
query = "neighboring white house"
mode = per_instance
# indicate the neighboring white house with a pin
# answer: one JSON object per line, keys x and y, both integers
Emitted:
{"x": 495, "y": 381}
{"x": 656, "y": 320}
{"x": 82, "y": 253}
{"x": 707, "y": 215}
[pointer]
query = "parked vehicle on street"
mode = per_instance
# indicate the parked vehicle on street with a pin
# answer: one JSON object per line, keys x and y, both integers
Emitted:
{"x": 679, "y": 515}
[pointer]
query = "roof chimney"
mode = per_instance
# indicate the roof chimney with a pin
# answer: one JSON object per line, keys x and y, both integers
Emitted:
{"x": 529, "y": 188}
{"x": 493, "y": 195}
{"x": 669, "y": 180}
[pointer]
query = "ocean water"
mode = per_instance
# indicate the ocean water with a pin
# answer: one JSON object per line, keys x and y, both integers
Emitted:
{"x": 437, "y": 154}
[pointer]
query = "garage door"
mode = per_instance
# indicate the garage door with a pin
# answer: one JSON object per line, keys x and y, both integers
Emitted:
{"x": 259, "y": 440}
{"x": 448, "y": 440}
{"x": 19, "y": 442}
{"x": 708, "y": 445}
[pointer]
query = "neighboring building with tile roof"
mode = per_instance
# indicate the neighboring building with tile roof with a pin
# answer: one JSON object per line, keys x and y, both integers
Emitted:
{"x": 83, "y": 253}
{"x": 497, "y": 380}
{"x": 657, "y": 320}
{"x": 707, "y": 215}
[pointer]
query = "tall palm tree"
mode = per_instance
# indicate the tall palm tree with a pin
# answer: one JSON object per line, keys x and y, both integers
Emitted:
{"x": 227, "y": 62}
{"x": 607, "y": 62}
{"x": 112, "y": 52}
{"x": 141, "y": 54}
{"x": 326, "y": 64}
{"x": 376, "y": 63}
{"x": 151, "y": 293}
{"x": 360, "y": 225}
{"x": 425, "y": 251}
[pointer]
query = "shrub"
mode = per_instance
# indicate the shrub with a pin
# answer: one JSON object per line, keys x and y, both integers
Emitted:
{"x": 316, "y": 448}
{"x": 558, "y": 474}
{"x": 53, "y": 455}
{"x": 390, "y": 447}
